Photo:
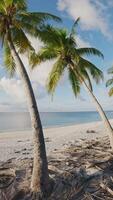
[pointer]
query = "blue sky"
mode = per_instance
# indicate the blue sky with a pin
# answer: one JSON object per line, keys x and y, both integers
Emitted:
{"x": 95, "y": 29}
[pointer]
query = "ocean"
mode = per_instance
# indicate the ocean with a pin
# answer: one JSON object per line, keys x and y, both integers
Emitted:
{"x": 17, "y": 121}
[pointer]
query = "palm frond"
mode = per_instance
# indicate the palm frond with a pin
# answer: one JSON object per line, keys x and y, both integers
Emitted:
{"x": 31, "y": 29}
{"x": 17, "y": 24}
{"x": 95, "y": 72}
{"x": 8, "y": 2}
{"x": 109, "y": 82}
{"x": 111, "y": 92}
{"x": 50, "y": 35}
{"x": 55, "y": 36}
{"x": 21, "y": 5}
{"x": 2, "y": 6}
{"x": 55, "y": 75}
{"x": 21, "y": 40}
{"x": 75, "y": 83}
{"x": 43, "y": 55}
{"x": 26, "y": 27}
{"x": 89, "y": 51}
{"x": 47, "y": 54}
{"x": 73, "y": 31}
{"x": 34, "y": 59}
{"x": 86, "y": 77}
{"x": 8, "y": 60}
{"x": 37, "y": 18}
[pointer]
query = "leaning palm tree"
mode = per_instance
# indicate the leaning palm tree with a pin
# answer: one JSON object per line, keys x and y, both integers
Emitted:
{"x": 63, "y": 47}
{"x": 15, "y": 22}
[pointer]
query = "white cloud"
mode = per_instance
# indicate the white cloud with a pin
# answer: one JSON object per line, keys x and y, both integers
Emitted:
{"x": 92, "y": 14}
{"x": 13, "y": 88}
{"x": 41, "y": 72}
{"x": 110, "y": 2}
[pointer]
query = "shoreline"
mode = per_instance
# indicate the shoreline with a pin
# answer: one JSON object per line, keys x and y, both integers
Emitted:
{"x": 54, "y": 127}
{"x": 18, "y": 144}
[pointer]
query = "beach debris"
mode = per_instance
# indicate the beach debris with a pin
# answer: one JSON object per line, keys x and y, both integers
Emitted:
{"x": 17, "y": 151}
{"x": 7, "y": 183}
{"x": 82, "y": 171}
{"x": 90, "y": 131}
{"x": 105, "y": 187}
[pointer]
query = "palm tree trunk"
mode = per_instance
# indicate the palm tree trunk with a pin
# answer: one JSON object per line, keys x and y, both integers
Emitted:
{"x": 103, "y": 116}
{"x": 99, "y": 108}
{"x": 40, "y": 177}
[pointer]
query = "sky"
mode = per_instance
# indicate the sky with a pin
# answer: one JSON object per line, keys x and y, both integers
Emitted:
{"x": 94, "y": 30}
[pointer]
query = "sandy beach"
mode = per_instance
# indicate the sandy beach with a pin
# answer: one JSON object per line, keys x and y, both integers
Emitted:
{"x": 19, "y": 144}
{"x": 80, "y": 161}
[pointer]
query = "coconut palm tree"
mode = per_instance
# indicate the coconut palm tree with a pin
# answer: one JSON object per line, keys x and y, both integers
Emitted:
{"x": 110, "y": 82}
{"x": 15, "y": 22}
{"x": 63, "y": 47}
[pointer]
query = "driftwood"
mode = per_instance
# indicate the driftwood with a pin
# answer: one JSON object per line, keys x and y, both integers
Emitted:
{"x": 105, "y": 187}
{"x": 94, "y": 163}
{"x": 7, "y": 181}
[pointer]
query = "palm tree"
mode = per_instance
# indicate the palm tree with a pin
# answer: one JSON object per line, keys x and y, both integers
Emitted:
{"x": 63, "y": 48}
{"x": 110, "y": 82}
{"x": 15, "y": 22}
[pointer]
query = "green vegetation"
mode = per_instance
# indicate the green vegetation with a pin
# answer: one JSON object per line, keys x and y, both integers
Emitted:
{"x": 110, "y": 82}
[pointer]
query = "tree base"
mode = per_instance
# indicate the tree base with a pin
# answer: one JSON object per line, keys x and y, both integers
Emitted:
{"x": 42, "y": 195}
{"x": 37, "y": 196}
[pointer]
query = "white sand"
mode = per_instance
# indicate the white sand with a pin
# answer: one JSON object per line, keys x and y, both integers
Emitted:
{"x": 19, "y": 144}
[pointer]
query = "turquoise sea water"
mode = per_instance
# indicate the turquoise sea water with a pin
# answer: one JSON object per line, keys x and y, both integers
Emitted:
{"x": 21, "y": 121}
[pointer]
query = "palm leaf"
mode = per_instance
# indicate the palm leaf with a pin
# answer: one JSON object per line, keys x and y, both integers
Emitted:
{"x": 55, "y": 75}
{"x": 2, "y": 6}
{"x": 85, "y": 76}
{"x": 73, "y": 32}
{"x": 8, "y": 60}
{"x": 109, "y": 82}
{"x": 8, "y": 2}
{"x": 37, "y": 17}
{"x": 43, "y": 55}
{"x": 111, "y": 92}
{"x": 89, "y": 51}
{"x": 21, "y": 5}
{"x": 52, "y": 36}
{"x": 47, "y": 54}
{"x": 96, "y": 73}
{"x": 29, "y": 28}
{"x": 75, "y": 83}
{"x": 21, "y": 41}
{"x": 34, "y": 59}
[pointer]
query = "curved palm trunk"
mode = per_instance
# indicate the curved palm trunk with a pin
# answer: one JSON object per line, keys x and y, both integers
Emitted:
{"x": 102, "y": 115}
{"x": 40, "y": 177}
{"x": 99, "y": 109}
